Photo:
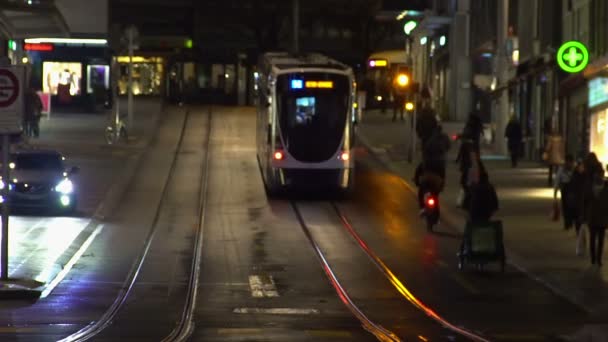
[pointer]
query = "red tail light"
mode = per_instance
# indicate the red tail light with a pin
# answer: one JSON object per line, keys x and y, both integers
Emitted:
{"x": 430, "y": 202}
{"x": 278, "y": 155}
{"x": 345, "y": 156}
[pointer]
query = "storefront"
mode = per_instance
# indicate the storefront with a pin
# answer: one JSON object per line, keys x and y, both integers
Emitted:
{"x": 148, "y": 75}
{"x": 74, "y": 73}
{"x": 598, "y": 109}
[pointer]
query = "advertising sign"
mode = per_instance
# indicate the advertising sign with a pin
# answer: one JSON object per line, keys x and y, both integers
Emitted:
{"x": 11, "y": 99}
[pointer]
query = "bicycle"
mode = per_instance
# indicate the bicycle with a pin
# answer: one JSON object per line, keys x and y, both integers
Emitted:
{"x": 116, "y": 132}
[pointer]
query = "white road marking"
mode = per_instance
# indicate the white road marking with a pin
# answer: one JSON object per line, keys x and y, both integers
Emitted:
{"x": 276, "y": 311}
{"x": 71, "y": 263}
{"x": 262, "y": 286}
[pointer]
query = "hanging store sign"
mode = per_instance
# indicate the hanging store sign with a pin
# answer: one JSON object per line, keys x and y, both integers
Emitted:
{"x": 572, "y": 57}
{"x": 38, "y": 47}
{"x": 598, "y": 91}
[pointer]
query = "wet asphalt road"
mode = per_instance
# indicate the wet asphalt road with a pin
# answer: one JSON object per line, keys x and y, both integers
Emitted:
{"x": 260, "y": 278}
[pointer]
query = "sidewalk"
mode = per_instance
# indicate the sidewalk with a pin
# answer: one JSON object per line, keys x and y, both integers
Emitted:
{"x": 106, "y": 170}
{"x": 535, "y": 245}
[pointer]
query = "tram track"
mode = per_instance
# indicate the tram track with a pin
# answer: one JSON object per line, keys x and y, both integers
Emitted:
{"x": 184, "y": 327}
{"x": 375, "y": 328}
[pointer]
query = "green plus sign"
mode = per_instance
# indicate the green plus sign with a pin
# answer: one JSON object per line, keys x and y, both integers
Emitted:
{"x": 573, "y": 56}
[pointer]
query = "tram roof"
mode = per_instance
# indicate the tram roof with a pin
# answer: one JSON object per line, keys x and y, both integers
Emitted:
{"x": 284, "y": 60}
{"x": 392, "y": 56}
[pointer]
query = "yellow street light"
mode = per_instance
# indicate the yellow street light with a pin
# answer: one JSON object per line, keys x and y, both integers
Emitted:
{"x": 409, "y": 106}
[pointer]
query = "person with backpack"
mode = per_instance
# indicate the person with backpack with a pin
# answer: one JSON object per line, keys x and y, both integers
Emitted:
{"x": 483, "y": 201}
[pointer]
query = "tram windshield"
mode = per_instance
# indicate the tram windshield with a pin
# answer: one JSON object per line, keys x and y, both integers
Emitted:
{"x": 312, "y": 110}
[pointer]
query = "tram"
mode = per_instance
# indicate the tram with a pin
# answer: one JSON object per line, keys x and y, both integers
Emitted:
{"x": 305, "y": 122}
{"x": 379, "y": 74}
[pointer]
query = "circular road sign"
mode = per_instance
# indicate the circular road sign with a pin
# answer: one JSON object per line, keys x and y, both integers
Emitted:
{"x": 572, "y": 56}
{"x": 9, "y": 88}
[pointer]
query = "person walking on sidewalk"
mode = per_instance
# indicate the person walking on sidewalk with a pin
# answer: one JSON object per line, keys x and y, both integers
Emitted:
{"x": 598, "y": 220}
{"x": 398, "y": 105}
{"x": 567, "y": 194}
{"x": 576, "y": 195}
{"x": 33, "y": 109}
{"x": 514, "y": 134}
{"x": 554, "y": 153}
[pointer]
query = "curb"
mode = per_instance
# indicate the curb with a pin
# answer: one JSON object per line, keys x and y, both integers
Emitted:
{"x": 452, "y": 223}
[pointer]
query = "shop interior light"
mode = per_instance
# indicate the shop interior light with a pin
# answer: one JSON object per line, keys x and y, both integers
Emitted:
{"x": 78, "y": 41}
{"x": 442, "y": 40}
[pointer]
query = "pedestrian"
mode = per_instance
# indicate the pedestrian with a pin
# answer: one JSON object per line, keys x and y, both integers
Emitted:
{"x": 473, "y": 129}
{"x": 434, "y": 151}
{"x": 562, "y": 185}
{"x": 464, "y": 161}
{"x": 398, "y": 105}
{"x": 483, "y": 202}
{"x": 513, "y": 133}
{"x": 554, "y": 153}
{"x": 32, "y": 113}
{"x": 426, "y": 122}
{"x": 598, "y": 219}
{"x": 576, "y": 197}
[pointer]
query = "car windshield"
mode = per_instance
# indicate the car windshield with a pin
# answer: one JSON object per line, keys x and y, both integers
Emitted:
{"x": 37, "y": 162}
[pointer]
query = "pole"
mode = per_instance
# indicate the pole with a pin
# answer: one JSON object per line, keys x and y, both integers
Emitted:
{"x": 410, "y": 157}
{"x": 130, "y": 33}
{"x": 296, "y": 26}
{"x": 5, "y": 212}
{"x": 502, "y": 106}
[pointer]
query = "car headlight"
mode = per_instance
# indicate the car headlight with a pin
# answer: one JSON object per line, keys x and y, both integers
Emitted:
{"x": 65, "y": 186}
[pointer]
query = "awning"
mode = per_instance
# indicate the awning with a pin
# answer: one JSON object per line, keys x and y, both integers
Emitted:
{"x": 34, "y": 18}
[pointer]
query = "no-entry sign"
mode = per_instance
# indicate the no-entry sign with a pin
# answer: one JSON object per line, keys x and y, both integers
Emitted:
{"x": 9, "y": 88}
{"x": 11, "y": 99}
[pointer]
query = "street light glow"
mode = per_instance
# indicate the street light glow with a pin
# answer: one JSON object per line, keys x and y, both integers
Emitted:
{"x": 442, "y": 40}
{"x": 423, "y": 41}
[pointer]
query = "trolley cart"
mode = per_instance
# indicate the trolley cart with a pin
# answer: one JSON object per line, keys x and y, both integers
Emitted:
{"x": 482, "y": 243}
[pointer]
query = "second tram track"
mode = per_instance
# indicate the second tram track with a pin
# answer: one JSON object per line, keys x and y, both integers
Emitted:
{"x": 375, "y": 328}
{"x": 184, "y": 327}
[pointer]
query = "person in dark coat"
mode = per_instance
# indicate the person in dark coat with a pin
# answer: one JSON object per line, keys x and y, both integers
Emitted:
{"x": 472, "y": 130}
{"x": 514, "y": 134}
{"x": 32, "y": 113}
{"x": 598, "y": 220}
{"x": 573, "y": 198}
{"x": 483, "y": 202}
{"x": 426, "y": 122}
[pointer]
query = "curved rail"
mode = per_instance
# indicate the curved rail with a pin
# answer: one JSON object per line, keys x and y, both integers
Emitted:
{"x": 380, "y": 332}
{"x": 98, "y": 326}
{"x": 399, "y": 285}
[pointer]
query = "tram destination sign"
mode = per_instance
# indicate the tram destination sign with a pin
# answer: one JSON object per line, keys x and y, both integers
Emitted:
{"x": 11, "y": 99}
